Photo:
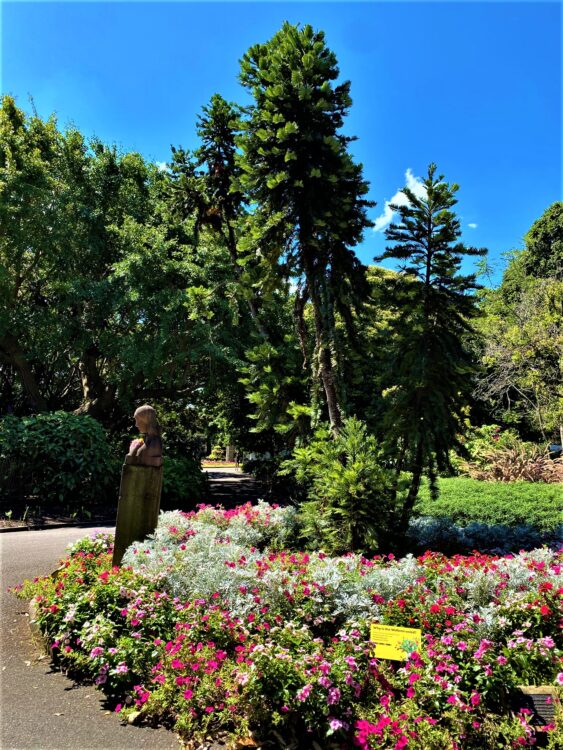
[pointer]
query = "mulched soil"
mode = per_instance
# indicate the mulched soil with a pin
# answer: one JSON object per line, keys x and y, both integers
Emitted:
{"x": 29, "y": 514}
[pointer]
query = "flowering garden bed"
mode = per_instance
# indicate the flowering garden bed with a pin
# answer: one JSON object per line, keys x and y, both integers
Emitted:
{"x": 219, "y": 623}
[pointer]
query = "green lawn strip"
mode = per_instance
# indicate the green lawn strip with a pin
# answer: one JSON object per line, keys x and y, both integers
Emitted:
{"x": 465, "y": 500}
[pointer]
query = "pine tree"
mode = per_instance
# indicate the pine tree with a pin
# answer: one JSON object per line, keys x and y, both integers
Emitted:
{"x": 306, "y": 193}
{"x": 430, "y": 378}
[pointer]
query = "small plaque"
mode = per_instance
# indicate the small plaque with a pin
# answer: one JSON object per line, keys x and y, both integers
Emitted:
{"x": 393, "y": 642}
{"x": 539, "y": 700}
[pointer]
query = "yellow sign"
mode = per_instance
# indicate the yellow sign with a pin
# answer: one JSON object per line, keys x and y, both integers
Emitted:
{"x": 393, "y": 642}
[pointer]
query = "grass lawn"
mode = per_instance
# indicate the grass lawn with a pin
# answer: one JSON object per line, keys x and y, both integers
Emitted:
{"x": 464, "y": 500}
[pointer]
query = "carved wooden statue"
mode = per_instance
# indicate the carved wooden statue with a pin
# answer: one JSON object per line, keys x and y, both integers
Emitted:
{"x": 141, "y": 485}
{"x": 146, "y": 450}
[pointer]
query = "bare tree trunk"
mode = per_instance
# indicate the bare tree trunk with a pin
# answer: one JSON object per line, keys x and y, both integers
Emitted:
{"x": 413, "y": 491}
{"x": 324, "y": 356}
{"x": 301, "y": 297}
{"x": 97, "y": 397}
{"x": 16, "y": 357}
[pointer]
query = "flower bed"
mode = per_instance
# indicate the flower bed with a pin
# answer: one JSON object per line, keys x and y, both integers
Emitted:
{"x": 215, "y": 623}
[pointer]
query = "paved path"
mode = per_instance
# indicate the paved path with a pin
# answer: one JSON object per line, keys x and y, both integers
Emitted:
{"x": 41, "y": 709}
{"x": 230, "y": 487}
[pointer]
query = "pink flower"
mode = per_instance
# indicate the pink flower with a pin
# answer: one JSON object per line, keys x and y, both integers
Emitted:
{"x": 304, "y": 693}
{"x": 335, "y": 724}
{"x": 475, "y": 699}
{"x": 559, "y": 678}
{"x": 413, "y": 678}
{"x": 501, "y": 659}
{"x": 96, "y": 651}
{"x": 188, "y": 694}
{"x": 122, "y": 667}
{"x": 333, "y": 696}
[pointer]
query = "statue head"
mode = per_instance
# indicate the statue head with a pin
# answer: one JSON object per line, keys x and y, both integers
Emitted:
{"x": 146, "y": 420}
{"x": 147, "y": 450}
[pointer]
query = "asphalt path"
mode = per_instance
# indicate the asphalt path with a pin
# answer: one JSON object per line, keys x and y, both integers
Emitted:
{"x": 42, "y": 709}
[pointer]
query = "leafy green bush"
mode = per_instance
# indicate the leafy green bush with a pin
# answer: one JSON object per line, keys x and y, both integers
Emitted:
{"x": 349, "y": 493}
{"x": 57, "y": 457}
{"x": 177, "y": 429}
{"x": 464, "y": 501}
{"x": 217, "y": 453}
{"x": 184, "y": 484}
{"x": 501, "y": 456}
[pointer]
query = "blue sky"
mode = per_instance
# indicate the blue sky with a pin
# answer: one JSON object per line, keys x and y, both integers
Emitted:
{"x": 473, "y": 86}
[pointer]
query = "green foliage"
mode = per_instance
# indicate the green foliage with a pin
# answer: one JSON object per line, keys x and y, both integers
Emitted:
{"x": 544, "y": 244}
{"x": 429, "y": 380}
{"x": 184, "y": 484}
{"x": 349, "y": 502}
{"x": 523, "y": 351}
{"x": 179, "y": 428}
{"x": 217, "y": 453}
{"x": 112, "y": 294}
{"x": 498, "y": 455}
{"x": 480, "y": 439}
{"x": 464, "y": 501}
{"x": 309, "y": 193}
{"x": 58, "y": 458}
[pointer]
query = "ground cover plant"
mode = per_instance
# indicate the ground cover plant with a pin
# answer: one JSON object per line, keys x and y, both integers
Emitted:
{"x": 218, "y": 621}
{"x": 498, "y": 516}
{"x": 463, "y": 500}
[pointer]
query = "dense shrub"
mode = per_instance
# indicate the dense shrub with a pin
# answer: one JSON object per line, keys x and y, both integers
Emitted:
{"x": 349, "y": 502}
{"x": 177, "y": 429}
{"x": 57, "y": 457}
{"x": 500, "y": 456}
{"x": 184, "y": 484}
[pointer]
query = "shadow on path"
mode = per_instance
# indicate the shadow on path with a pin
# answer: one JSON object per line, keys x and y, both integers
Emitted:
{"x": 230, "y": 488}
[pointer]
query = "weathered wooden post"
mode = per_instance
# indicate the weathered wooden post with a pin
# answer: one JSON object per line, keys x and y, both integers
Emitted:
{"x": 141, "y": 485}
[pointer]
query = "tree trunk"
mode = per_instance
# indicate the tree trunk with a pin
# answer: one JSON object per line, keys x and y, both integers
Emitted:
{"x": 16, "y": 357}
{"x": 301, "y": 297}
{"x": 97, "y": 397}
{"x": 324, "y": 356}
{"x": 413, "y": 492}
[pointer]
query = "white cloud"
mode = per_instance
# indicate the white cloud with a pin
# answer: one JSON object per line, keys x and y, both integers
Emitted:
{"x": 399, "y": 199}
{"x": 162, "y": 165}
{"x": 472, "y": 226}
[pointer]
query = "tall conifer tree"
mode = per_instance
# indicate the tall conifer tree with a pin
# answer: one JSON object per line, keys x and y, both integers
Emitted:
{"x": 430, "y": 376}
{"x": 306, "y": 192}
